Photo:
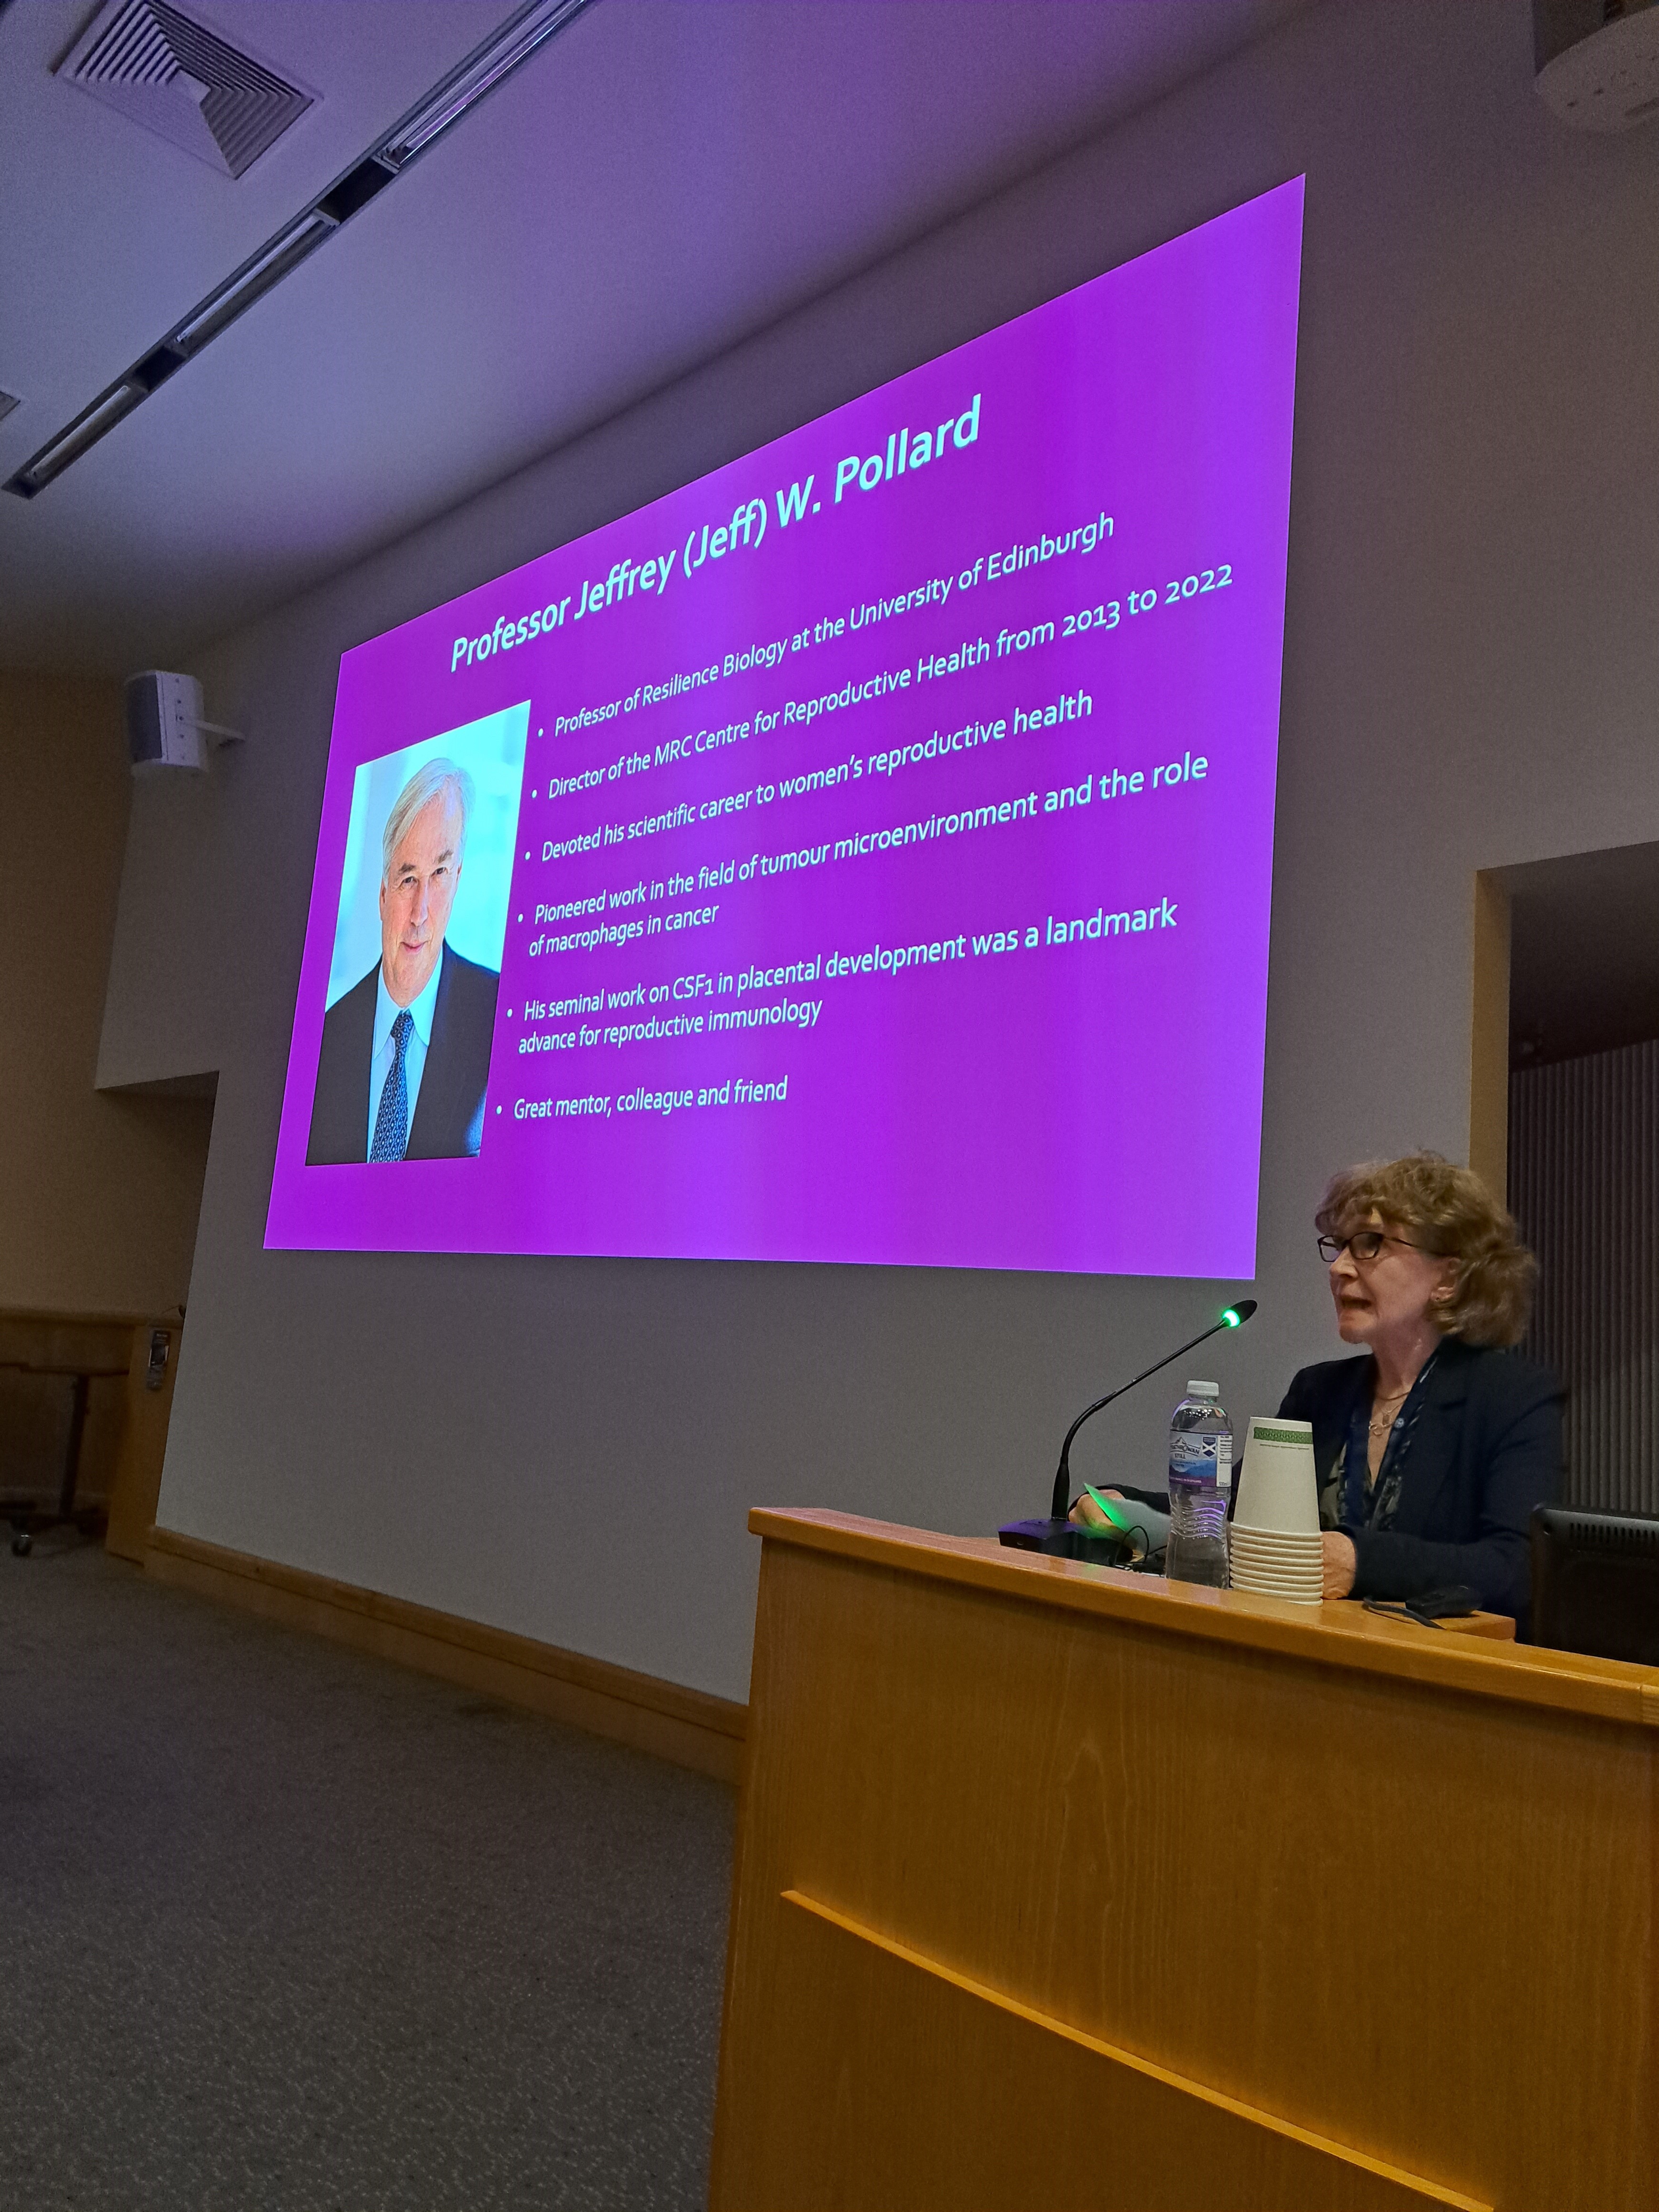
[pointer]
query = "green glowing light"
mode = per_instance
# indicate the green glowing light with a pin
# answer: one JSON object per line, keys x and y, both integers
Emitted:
{"x": 1233, "y": 1319}
{"x": 1115, "y": 1513}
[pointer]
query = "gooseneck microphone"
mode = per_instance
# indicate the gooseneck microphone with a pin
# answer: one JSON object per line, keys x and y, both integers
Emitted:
{"x": 1057, "y": 1533}
{"x": 1235, "y": 1317}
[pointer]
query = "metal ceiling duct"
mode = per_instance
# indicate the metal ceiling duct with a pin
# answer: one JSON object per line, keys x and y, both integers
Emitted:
{"x": 414, "y": 134}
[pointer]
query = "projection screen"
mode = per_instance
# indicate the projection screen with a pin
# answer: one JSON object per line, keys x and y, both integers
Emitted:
{"x": 863, "y": 854}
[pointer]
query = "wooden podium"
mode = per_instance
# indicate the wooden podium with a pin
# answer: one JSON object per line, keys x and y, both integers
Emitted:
{"x": 1058, "y": 1886}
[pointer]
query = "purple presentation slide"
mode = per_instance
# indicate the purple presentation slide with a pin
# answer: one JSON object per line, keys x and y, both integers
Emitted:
{"x": 864, "y": 853}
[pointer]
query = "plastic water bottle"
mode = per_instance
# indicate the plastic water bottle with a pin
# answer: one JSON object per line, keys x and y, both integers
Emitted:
{"x": 1201, "y": 1483}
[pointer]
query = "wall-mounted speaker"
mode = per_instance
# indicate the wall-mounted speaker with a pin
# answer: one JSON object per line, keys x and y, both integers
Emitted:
{"x": 1597, "y": 61}
{"x": 164, "y": 722}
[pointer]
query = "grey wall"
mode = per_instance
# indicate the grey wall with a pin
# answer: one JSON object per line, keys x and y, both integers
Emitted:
{"x": 569, "y": 1448}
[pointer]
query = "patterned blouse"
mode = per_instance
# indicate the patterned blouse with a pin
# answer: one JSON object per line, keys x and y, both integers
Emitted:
{"x": 1381, "y": 1490}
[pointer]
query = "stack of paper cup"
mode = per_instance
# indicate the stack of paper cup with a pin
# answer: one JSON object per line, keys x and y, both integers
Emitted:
{"x": 1275, "y": 1546}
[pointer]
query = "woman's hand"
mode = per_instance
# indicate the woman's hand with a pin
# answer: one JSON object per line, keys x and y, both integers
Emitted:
{"x": 1085, "y": 1514}
{"x": 1340, "y": 1562}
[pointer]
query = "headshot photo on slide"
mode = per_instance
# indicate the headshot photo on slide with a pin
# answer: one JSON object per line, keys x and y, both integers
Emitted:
{"x": 404, "y": 1064}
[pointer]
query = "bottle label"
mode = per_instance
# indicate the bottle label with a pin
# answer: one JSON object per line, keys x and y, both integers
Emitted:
{"x": 1194, "y": 1457}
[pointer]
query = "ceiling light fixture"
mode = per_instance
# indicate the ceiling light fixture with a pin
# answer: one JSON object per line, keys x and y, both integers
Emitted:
{"x": 414, "y": 134}
{"x": 73, "y": 440}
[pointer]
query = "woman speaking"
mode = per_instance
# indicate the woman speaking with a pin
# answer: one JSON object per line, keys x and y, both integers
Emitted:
{"x": 1432, "y": 1449}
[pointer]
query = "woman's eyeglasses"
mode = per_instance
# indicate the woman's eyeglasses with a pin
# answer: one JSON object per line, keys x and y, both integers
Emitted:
{"x": 1364, "y": 1244}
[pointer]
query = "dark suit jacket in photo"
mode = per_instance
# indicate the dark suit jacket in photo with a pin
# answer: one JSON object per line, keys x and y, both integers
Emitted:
{"x": 449, "y": 1112}
{"x": 1486, "y": 1449}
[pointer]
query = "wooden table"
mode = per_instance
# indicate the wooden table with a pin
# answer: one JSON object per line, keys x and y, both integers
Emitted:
{"x": 1061, "y": 1886}
{"x": 117, "y": 1453}
{"x": 81, "y": 1350}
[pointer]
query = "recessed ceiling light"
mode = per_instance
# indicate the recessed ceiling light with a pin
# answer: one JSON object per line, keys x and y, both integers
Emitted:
{"x": 414, "y": 134}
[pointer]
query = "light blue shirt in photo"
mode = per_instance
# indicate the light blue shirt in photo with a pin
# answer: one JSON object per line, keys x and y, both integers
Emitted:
{"x": 383, "y": 1058}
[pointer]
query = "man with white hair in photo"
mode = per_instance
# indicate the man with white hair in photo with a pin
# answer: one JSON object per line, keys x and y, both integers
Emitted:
{"x": 406, "y": 1055}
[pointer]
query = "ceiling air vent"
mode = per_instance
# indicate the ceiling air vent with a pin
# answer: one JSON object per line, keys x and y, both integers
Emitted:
{"x": 179, "y": 79}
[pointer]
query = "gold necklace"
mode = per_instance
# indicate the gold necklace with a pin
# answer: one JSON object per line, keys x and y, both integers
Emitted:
{"x": 1380, "y": 1423}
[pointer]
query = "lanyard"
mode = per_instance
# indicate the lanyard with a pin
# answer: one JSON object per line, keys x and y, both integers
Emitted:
{"x": 1390, "y": 1473}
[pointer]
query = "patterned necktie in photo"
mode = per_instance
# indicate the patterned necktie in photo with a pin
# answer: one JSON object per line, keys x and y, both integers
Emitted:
{"x": 392, "y": 1122}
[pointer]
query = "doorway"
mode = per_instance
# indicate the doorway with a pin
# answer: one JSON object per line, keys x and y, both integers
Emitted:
{"x": 1583, "y": 1153}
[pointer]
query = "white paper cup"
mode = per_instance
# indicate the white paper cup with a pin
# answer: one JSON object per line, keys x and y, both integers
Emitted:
{"x": 1277, "y": 1494}
{"x": 1279, "y": 1562}
{"x": 1300, "y": 1589}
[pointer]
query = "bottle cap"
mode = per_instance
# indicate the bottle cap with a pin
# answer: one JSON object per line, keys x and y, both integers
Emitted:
{"x": 1203, "y": 1390}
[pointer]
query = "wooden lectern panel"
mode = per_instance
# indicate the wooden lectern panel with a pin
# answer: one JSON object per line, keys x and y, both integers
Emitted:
{"x": 1055, "y": 1887}
{"x": 1092, "y": 2124}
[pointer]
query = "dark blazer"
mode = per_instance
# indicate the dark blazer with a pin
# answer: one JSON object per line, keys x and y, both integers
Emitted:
{"x": 449, "y": 1112}
{"x": 1486, "y": 1450}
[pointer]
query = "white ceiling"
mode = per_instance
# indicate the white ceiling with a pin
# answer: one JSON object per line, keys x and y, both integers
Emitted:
{"x": 660, "y": 180}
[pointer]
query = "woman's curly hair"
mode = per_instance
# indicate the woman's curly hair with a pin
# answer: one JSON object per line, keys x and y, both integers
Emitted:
{"x": 1449, "y": 1211}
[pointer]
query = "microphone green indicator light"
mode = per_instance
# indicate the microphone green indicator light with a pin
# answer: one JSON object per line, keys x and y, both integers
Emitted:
{"x": 1231, "y": 1319}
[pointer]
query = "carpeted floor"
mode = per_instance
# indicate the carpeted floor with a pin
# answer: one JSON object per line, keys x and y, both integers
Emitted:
{"x": 281, "y": 1925}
